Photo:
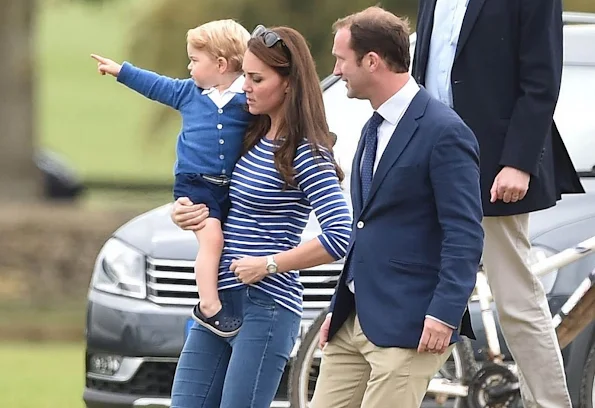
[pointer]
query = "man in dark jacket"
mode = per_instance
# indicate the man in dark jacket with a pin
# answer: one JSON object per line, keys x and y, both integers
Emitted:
{"x": 498, "y": 64}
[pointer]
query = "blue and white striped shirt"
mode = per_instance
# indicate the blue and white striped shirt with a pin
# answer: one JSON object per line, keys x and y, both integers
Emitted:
{"x": 265, "y": 219}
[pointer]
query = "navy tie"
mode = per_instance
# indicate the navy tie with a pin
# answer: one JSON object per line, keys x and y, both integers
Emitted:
{"x": 370, "y": 144}
{"x": 369, "y": 156}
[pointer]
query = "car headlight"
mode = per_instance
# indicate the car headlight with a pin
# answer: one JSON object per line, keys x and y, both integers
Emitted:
{"x": 537, "y": 254}
{"x": 120, "y": 269}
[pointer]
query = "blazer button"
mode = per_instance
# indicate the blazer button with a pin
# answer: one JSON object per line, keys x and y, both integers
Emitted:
{"x": 360, "y": 224}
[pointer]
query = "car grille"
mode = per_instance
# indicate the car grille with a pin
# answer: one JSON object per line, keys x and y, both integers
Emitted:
{"x": 171, "y": 282}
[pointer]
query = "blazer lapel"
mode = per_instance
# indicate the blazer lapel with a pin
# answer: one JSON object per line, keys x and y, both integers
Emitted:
{"x": 398, "y": 141}
{"x": 356, "y": 180}
{"x": 473, "y": 9}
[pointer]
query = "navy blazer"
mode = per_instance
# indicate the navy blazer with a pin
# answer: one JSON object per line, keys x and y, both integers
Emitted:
{"x": 417, "y": 240}
{"x": 505, "y": 83}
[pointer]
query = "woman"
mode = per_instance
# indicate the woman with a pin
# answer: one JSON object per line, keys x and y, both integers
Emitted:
{"x": 286, "y": 171}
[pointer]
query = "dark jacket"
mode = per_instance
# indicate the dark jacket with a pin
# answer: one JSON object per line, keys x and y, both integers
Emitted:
{"x": 505, "y": 83}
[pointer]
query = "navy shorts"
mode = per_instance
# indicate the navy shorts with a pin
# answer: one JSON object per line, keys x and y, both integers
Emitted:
{"x": 201, "y": 191}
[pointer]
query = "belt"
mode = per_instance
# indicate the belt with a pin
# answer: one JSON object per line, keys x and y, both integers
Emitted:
{"x": 218, "y": 180}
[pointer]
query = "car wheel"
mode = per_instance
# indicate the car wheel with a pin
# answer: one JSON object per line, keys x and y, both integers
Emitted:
{"x": 587, "y": 394}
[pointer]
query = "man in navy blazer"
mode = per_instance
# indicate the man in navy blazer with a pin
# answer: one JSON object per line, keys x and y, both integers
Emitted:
{"x": 417, "y": 238}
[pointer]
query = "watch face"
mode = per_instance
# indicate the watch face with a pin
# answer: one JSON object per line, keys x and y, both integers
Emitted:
{"x": 272, "y": 269}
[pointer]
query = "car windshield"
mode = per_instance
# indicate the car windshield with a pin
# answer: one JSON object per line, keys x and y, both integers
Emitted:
{"x": 574, "y": 115}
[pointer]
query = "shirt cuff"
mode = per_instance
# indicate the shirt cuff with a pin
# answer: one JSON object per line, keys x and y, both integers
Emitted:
{"x": 440, "y": 321}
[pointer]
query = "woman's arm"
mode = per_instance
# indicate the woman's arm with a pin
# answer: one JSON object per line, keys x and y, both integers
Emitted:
{"x": 251, "y": 269}
{"x": 317, "y": 178}
{"x": 311, "y": 253}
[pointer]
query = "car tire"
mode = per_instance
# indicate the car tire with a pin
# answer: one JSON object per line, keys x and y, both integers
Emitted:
{"x": 588, "y": 381}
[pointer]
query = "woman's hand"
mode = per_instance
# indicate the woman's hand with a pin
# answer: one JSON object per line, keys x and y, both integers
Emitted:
{"x": 189, "y": 216}
{"x": 106, "y": 66}
{"x": 250, "y": 269}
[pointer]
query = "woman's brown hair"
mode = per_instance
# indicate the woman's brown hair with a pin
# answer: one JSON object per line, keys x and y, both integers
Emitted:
{"x": 304, "y": 116}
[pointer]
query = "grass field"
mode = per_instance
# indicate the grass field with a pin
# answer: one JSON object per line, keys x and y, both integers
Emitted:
{"x": 49, "y": 375}
{"x": 64, "y": 321}
{"x": 96, "y": 123}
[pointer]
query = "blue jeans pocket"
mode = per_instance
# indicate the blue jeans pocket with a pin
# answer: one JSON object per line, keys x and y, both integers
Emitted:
{"x": 260, "y": 298}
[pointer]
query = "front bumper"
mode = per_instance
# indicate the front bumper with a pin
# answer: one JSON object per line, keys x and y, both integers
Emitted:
{"x": 102, "y": 399}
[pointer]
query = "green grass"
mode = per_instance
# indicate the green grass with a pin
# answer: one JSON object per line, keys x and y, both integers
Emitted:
{"x": 67, "y": 313}
{"x": 61, "y": 321}
{"x": 46, "y": 375}
{"x": 97, "y": 124}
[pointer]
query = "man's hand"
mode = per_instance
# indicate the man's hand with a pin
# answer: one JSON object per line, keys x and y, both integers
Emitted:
{"x": 189, "y": 216}
{"x": 106, "y": 66}
{"x": 435, "y": 338}
{"x": 250, "y": 269}
{"x": 510, "y": 185}
{"x": 323, "y": 338}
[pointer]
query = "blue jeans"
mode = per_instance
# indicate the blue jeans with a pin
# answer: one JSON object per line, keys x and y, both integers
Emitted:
{"x": 242, "y": 371}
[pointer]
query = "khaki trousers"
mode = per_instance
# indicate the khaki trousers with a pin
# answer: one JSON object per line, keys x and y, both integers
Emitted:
{"x": 523, "y": 312}
{"x": 355, "y": 373}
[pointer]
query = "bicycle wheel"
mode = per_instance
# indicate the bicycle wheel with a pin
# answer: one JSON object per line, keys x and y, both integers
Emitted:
{"x": 587, "y": 393}
{"x": 468, "y": 366}
{"x": 304, "y": 370}
{"x": 306, "y": 366}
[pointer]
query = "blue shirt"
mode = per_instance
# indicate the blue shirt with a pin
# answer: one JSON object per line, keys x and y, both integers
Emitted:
{"x": 211, "y": 139}
{"x": 448, "y": 20}
{"x": 266, "y": 219}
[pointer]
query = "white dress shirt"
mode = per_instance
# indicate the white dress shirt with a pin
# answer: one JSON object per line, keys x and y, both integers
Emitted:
{"x": 392, "y": 111}
{"x": 448, "y": 20}
{"x": 222, "y": 98}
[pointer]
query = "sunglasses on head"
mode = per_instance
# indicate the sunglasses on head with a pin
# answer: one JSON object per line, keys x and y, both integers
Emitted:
{"x": 269, "y": 37}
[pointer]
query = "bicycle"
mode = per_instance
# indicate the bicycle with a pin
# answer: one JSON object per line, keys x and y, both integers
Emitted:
{"x": 491, "y": 384}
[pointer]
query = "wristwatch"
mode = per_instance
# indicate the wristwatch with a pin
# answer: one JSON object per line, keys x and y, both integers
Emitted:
{"x": 271, "y": 264}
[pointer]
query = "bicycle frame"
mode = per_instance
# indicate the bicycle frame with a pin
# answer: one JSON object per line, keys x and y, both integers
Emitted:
{"x": 444, "y": 387}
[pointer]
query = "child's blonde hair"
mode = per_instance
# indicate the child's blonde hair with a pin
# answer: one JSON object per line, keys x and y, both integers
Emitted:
{"x": 221, "y": 38}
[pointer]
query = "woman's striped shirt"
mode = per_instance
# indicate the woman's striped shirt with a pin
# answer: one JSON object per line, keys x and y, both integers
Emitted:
{"x": 266, "y": 219}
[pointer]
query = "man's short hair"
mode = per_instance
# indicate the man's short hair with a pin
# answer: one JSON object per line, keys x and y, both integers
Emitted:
{"x": 377, "y": 30}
